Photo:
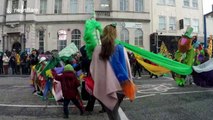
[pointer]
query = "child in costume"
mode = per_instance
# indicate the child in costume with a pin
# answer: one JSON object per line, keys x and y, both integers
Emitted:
{"x": 185, "y": 54}
{"x": 69, "y": 84}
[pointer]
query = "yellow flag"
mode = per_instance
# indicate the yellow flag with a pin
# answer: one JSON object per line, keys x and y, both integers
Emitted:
{"x": 210, "y": 46}
{"x": 164, "y": 51}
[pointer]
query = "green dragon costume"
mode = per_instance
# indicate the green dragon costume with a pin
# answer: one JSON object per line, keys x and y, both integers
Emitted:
{"x": 185, "y": 54}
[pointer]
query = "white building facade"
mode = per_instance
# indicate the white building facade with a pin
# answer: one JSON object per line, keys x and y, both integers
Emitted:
{"x": 170, "y": 19}
{"x": 53, "y": 24}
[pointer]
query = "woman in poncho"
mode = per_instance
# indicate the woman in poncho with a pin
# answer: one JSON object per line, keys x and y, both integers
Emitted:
{"x": 111, "y": 72}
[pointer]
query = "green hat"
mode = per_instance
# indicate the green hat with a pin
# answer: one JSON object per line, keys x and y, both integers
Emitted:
{"x": 188, "y": 32}
{"x": 68, "y": 67}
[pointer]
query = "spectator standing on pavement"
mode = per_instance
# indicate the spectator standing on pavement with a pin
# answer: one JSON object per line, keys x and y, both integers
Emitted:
{"x": 136, "y": 67}
{"x": 13, "y": 63}
{"x": 111, "y": 71}
{"x": 69, "y": 85}
{"x": 1, "y": 63}
{"x": 18, "y": 62}
{"x": 5, "y": 60}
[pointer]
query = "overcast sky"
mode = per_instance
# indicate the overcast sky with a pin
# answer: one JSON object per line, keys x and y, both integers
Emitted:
{"x": 207, "y": 6}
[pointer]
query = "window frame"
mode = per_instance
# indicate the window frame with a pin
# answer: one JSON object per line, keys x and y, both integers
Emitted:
{"x": 105, "y": 5}
{"x": 43, "y": 7}
{"x": 162, "y": 2}
{"x": 195, "y": 25}
{"x": 89, "y": 6}
{"x": 164, "y": 24}
{"x": 76, "y": 37}
{"x": 124, "y": 33}
{"x": 172, "y": 22}
{"x": 195, "y": 2}
{"x": 124, "y": 5}
{"x": 187, "y": 25}
{"x": 58, "y": 7}
{"x": 74, "y": 6}
{"x": 14, "y": 8}
{"x": 188, "y": 1}
{"x": 139, "y": 5}
{"x": 41, "y": 39}
{"x": 139, "y": 39}
{"x": 171, "y": 3}
{"x": 62, "y": 43}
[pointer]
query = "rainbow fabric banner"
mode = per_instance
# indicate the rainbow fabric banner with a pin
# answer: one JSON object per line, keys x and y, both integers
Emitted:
{"x": 155, "y": 69}
{"x": 158, "y": 59}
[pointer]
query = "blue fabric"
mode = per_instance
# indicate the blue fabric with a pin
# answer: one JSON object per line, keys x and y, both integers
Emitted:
{"x": 47, "y": 88}
{"x": 118, "y": 63}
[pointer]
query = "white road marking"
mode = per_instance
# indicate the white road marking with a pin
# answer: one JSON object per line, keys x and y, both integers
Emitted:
{"x": 38, "y": 106}
{"x": 122, "y": 114}
{"x": 175, "y": 93}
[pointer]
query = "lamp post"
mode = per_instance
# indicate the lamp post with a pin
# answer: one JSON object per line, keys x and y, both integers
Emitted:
{"x": 156, "y": 42}
{"x": 205, "y": 36}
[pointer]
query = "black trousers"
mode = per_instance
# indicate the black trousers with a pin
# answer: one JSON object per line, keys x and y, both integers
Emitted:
{"x": 91, "y": 103}
{"x": 75, "y": 102}
{"x": 113, "y": 114}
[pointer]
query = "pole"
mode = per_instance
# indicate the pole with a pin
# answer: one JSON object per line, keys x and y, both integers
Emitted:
{"x": 156, "y": 42}
{"x": 205, "y": 36}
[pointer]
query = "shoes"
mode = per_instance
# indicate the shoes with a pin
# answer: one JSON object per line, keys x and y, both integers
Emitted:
{"x": 102, "y": 111}
{"x": 87, "y": 113}
{"x": 66, "y": 116}
{"x": 139, "y": 77}
{"x": 81, "y": 112}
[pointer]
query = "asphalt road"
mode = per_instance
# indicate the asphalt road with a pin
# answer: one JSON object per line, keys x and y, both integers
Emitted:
{"x": 157, "y": 99}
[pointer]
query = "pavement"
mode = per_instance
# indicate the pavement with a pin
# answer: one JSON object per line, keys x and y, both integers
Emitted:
{"x": 156, "y": 99}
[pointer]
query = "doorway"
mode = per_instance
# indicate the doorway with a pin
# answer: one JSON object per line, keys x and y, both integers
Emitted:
{"x": 16, "y": 47}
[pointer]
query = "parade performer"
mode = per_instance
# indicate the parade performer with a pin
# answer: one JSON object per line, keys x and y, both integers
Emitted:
{"x": 69, "y": 85}
{"x": 185, "y": 54}
{"x": 203, "y": 74}
{"x": 111, "y": 72}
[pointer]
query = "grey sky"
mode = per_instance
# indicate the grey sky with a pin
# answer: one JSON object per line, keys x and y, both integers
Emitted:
{"x": 207, "y": 6}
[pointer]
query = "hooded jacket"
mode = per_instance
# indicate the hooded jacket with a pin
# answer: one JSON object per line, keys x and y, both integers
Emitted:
{"x": 69, "y": 84}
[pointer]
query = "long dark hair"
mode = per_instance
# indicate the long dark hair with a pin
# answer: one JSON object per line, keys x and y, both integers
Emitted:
{"x": 108, "y": 42}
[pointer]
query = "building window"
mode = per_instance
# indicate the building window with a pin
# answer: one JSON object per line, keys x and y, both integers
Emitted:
{"x": 195, "y": 3}
{"x": 187, "y": 22}
{"x": 138, "y": 5}
{"x": 73, "y": 6}
{"x": 139, "y": 38}
{"x": 105, "y": 5}
{"x": 172, "y": 23}
{"x": 162, "y": 2}
{"x": 62, "y": 39}
{"x": 195, "y": 25}
{"x": 76, "y": 37}
{"x": 25, "y": 4}
{"x": 162, "y": 23}
{"x": 41, "y": 41}
{"x": 89, "y": 6}
{"x": 124, "y": 35}
{"x": 43, "y": 6}
{"x": 171, "y": 2}
{"x": 124, "y": 5}
{"x": 15, "y": 6}
{"x": 186, "y": 3}
{"x": 58, "y": 6}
